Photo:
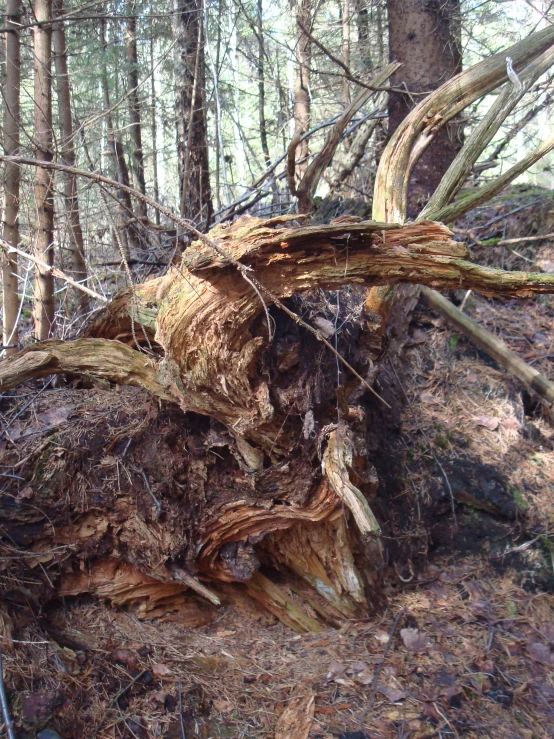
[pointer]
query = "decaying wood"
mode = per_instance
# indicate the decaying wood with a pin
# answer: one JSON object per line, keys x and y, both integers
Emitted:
{"x": 297, "y": 718}
{"x": 494, "y": 347}
{"x": 218, "y": 338}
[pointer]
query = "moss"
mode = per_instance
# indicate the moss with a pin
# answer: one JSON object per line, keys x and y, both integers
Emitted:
{"x": 518, "y": 498}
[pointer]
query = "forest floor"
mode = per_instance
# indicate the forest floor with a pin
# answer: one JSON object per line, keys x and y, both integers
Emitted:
{"x": 465, "y": 646}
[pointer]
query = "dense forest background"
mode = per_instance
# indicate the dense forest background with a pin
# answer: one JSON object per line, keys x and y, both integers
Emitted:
{"x": 123, "y": 76}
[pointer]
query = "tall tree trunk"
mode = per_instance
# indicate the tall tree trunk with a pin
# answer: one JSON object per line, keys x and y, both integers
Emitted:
{"x": 78, "y": 262}
{"x": 44, "y": 197}
{"x": 128, "y": 239}
{"x": 192, "y": 144}
{"x": 346, "y": 14}
{"x": 261, "y": 84}
{"x": 10, "y": 226}
{"x": 425, "y": 38}
{"x": 154, "y": 123}
{"x": 302, "y": 102}
{"x": 134, "y": 103}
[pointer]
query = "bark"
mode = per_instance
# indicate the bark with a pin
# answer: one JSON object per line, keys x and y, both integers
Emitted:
{"x": 261, "y": 84}
{"x": 302, "y": 100}
{"x": 44, "y": 199}
{"x": 192, "y": 146}
{"x": 134, "y": 103}
{"x": 127, "y": 237}
{"x": 426, "y": 38}
{"x": 154, "y": 124}
{"x": 10, "y": 226}
{"x": 78, "y": 262}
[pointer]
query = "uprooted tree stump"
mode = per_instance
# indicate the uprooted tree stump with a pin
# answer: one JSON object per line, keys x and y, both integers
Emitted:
{"x": 270, "y": 461}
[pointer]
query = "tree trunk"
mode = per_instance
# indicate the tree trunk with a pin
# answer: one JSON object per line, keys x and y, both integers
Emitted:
{"x": 302, "y": 100}
{"x": 12, "y": 176}
{"x": 425, "y": 38}
{"x": 346, "y": 21}
{"x": 44, "y": 197}
{"x": 127, "y": 235}
{"x": 261, "y": 84}
{"x": 78, "y": 262}
{"x": 154, "y": 124}
{"x": 192, "y": 145}
{"x": 134, "y": 103}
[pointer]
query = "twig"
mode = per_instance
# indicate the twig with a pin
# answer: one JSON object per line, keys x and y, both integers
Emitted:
{"x": 378, "y": 674}
{"x": 9, "y": 249}
{"x": 8, "y": 723}
{"x": 187, "y": 579}
{"x": 128, "y": 687}
{"x": 159, "y": 508}
{"x": 183, "y": 735}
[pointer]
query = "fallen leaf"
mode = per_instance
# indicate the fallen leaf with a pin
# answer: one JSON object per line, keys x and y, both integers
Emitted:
{"x": 488, "y": 422}
{"x": 125, "y": 657}
{"x": 415, "y": 640}
{"x": 107, "y": 461}
{"x": 160, "y": 670}
{"x": 365, "y": 677}
{"x": 335, "y": 670}
{"x": 225, "y": 633}
{"x": 393, "y": 694}
{"x": 426, "y": 397}
{"x": 541, "y": 653}
{"x": 297, "y": 718}
{"x": 381, "y": 636}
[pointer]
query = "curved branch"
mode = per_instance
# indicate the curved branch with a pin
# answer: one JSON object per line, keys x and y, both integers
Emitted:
{"x": 418, "y": 129}
{"x": 462, "y": 206}
{"x": 483, "y": 134}
{"x": 102, "y": 358}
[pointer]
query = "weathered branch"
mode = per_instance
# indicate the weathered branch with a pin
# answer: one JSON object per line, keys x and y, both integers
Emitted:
{"x": 306, "y": 189}
{"x": 494, "y": 347}
{"x": 9, "y": 249}
{"x": 101, "y": 358}
{"x": 462, "y": 206}
{"x": 418, "y": 129}
{"x": 483, "y": 134}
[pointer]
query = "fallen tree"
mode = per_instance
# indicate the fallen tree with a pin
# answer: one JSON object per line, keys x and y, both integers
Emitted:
{"x": 274, "y": 375}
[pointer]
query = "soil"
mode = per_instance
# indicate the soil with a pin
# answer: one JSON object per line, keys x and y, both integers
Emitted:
{"x": 464, "y": 645}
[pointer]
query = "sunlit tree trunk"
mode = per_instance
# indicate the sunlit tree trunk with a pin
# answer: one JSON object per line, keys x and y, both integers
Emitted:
{"x": 154, "y": 124}
{"x": 10, "y": 226}
{"x": 44, "y": 199}
{"x": 261, "y": 83}
{"x": 78, "y": 262}
{"x": 302, "y": 102}
{"x": 127, "y": 237}
{"x": 346, "y": 16}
